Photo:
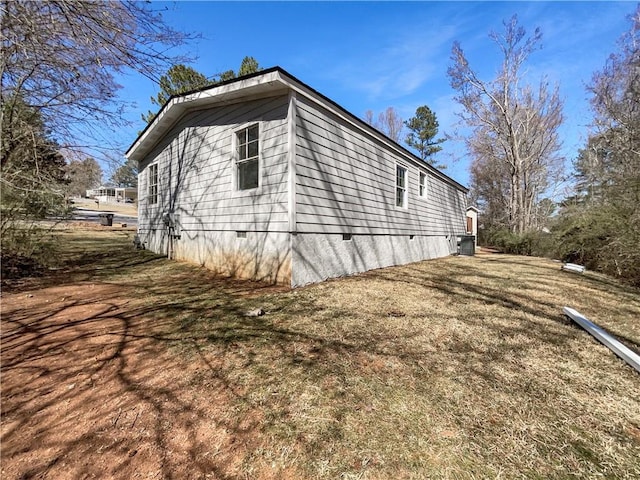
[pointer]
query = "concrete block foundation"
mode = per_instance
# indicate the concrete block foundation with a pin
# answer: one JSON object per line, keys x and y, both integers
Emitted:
{"x": 295, "y": 259}
{"x": 316, "y": 257}
{"x": 262, "y": 256}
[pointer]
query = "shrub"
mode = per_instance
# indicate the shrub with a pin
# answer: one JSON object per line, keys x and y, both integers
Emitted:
{"x": 534, "y": 243}
{"x": 26, "y": 249}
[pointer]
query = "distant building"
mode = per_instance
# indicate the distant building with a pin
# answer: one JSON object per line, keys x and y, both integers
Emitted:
{"x": 114, "y": 194}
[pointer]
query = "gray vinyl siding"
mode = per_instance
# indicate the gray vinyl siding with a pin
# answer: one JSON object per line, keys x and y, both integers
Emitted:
{"x": 346, "y": 183}
{"x": 195, "y": 168}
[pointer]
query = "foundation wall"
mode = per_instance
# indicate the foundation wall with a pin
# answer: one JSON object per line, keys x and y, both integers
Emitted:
{"x": 263, "y": 256}
{"x": 316, "y": 257}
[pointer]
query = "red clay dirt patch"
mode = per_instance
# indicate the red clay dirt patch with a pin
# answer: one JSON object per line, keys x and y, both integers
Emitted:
{"x": 90, "y": 390}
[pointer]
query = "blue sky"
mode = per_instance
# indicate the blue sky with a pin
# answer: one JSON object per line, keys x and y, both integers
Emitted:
{"x": 372, "y": 55}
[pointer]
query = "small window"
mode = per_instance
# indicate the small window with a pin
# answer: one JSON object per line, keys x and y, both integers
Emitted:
{"x": 423, "y": 184}
{"x": 401, "y": 186}
{"x": 153, "y": 184}
{"x": 411, "y": 237}
{"x": 247, "y": 158}
{"x": 346, "y": 237}
{"x": 241, "y": 234}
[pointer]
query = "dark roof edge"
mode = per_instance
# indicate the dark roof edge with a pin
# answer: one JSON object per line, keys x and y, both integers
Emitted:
{"x": 364, "y": 124}
{"x": 202, "y": 89}
{"x": 353, "y": 117}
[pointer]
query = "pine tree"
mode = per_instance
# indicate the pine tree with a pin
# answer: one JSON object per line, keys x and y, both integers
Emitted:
{"x": 423, "y": 129}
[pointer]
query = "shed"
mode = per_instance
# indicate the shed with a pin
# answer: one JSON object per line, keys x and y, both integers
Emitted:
{"x": 263, "y": 177}
{"x": 472, "y": 223}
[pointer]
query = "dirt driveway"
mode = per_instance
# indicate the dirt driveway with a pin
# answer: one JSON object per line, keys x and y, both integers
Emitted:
{"x": 90, "y": 391}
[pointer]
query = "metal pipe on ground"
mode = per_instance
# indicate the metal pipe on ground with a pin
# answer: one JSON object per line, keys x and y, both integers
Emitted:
{"x": 604, "y": 337}
{"x": 572, "y": 267}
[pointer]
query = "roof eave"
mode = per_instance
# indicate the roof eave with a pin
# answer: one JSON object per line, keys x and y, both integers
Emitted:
{"x": 322, "y": 99}
{"x": 177, "y": 106}
{"x": 259, "y": 82}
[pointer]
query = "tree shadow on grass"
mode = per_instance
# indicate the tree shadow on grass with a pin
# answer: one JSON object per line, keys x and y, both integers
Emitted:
{"x": 92, "y": 386}
{"x": 150, "y": 366}
{"x": 91, "y": 378}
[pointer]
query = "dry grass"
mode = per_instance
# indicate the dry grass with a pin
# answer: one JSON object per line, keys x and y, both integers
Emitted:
{"x": 453, "y": 368}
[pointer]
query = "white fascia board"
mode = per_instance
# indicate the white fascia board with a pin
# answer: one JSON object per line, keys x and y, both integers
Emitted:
{"x": 222, "y": 92}
{"x": 178, "y": 106}
{"x": 274, "y": 79}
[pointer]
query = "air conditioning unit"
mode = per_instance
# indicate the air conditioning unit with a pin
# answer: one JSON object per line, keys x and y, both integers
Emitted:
{"x": 467, "y": 245}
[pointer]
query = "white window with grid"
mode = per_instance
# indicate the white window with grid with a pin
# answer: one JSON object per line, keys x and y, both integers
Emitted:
{"x": 247, "y": 147}
{"x": 423, "y": 185}
{"x": 152, "y": 184}
{"x": 401, "y": 186}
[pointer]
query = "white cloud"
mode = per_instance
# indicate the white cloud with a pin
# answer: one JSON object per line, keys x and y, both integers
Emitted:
{"x": 401, "y": 64}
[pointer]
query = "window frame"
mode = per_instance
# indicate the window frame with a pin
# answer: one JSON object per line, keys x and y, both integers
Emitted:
{"x": 405, "y": 188}
{"x": 153, "y": 184}
{"x": 422, "y": 184}
{"x": 237, "y": 162}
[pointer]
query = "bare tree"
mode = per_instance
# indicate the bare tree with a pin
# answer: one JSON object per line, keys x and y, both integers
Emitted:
{"x": 83, "y": 175}
{"x": 388, "y": 122}
{"x": 58, "y": 92}
{"x": 616, "y": 103}
{"x": 368, "y": 118}
{"x": 490, "y": 191}
{"x": 61, "y": 57}
{"x": 391, "y": 123}
{"x": 514, "y": 126}
{"x": 607, "y": 170}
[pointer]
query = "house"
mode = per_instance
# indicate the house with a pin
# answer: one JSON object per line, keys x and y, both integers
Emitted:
{"x": 126, "y": 194}
{"x": 113, "y": 194}
{"x": 263, "y": 177}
